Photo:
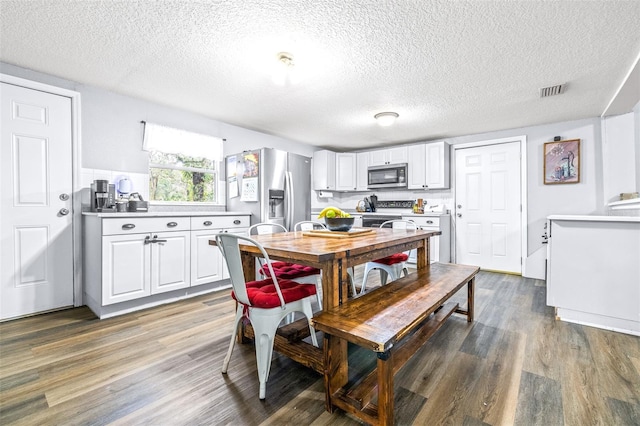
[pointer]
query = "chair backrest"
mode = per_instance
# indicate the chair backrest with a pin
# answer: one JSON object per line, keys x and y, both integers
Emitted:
{"x": 229, "y": 245}
{"x": 308, "y": 225}
{"x": 399, "y": 224}
{"x": 266, "y": 228}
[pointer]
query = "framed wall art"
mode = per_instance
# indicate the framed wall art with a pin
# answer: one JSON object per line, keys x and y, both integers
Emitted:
{"x": 562, "y": 162}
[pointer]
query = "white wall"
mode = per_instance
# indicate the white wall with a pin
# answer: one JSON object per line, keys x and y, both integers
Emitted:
{"x": 619, "y": 156}
{"x": 112, "y": 132}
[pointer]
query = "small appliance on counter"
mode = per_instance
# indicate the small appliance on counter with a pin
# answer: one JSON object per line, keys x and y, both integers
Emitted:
{"x": 137, "y": 204}
{"x": 103, "y": 196}
{"x": 370, "y": 203}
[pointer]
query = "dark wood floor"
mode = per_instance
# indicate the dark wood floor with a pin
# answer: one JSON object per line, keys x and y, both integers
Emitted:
{"x": 514, "y": 365}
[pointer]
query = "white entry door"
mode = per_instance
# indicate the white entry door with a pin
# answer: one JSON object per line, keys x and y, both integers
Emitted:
{"x": 487, "y": 206}
{"x": 36, "y": 238}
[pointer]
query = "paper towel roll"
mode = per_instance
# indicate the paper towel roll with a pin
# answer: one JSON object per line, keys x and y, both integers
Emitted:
{"x": 325, "y": 194}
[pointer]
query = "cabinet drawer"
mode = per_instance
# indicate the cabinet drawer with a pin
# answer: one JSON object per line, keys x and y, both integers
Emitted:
{"x": 425, "y": 220}
{"x": 135, "y": 225}
{"x": 217, "y": 222}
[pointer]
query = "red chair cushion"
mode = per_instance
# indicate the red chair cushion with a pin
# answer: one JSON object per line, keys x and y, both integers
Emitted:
{"x": 262, "y": 294}
{"x": 289, "y": 271}
{"x": 393, "y": 259}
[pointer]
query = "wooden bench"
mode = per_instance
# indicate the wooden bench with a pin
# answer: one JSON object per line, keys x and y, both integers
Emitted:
{"x": 394, "y": 321}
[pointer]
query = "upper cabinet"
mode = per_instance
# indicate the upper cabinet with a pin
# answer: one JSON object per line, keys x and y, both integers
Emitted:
{"x": 388, "y": 156}
{"x": 324, "y": 170}
{"x": 428, "y": 166}
{"x": 362, "y": 172}
{"x": 346, "y": 171}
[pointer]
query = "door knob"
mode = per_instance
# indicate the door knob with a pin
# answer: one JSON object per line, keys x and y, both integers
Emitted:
{"x": 63, "y": 212}
{"x": 64, "y": 197}
{"x": 459, "y": 215}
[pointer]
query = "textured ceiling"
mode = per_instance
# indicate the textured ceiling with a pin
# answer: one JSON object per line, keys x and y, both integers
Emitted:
{"x": 448, "y": 68}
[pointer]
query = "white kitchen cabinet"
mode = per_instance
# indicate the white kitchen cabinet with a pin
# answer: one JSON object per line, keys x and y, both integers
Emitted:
{"x": 324, "y": 170}
{"x": 362, "y": 171}
{"x": 134, "y": 261}
{"x": 346, "y": 171}
{"x": 207, "y": 263}
{"x": 137, "y": 264}
{"x": 170, "y": 261}
{"x": 593, "y": 274}
{"x": 429, "y": 166}
{"x": 393, "y": 155}
{"x": 439, "y": 246}
{"x": 126, "y": 268}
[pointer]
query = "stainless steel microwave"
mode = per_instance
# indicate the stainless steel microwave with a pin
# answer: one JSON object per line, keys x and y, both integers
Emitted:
{"x": 387, "y": 176}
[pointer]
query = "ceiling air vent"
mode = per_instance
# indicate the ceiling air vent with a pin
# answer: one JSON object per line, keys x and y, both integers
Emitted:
{"x": 552, "y": 90}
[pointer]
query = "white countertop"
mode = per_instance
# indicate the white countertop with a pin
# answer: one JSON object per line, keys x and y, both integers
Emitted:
{"x": 164, "y": 214}
{"x": 593, "y": 218}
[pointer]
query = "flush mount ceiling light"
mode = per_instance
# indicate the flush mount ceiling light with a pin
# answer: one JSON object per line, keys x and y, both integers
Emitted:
{"x": 386, "y": 118}
{"x": 284, "y": 72}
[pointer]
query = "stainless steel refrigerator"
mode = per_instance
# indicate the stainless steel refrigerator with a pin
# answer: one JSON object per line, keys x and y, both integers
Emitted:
{"x": 273, "y": 185}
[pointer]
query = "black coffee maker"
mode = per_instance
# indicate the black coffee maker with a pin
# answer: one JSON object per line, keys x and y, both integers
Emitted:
{"x": 103, "y": 196}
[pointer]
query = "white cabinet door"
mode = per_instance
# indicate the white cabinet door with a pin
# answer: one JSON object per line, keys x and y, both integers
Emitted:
{"x": 428, "y": 166}
{"x": 170, "y": 263}
{"x": 362, "y": 175}
{"x": 378, "y": 157}
{"x": 345, "y": 171}
{"x": 324, "y": 170}
{"x": 207, "y": 264}
{"x": 397, "y": 155}
{"x": 437, "y": 165}
{"x": 417, "y": 155}
{"x": 126, "y": 268}
{"x": 388, "y": 156}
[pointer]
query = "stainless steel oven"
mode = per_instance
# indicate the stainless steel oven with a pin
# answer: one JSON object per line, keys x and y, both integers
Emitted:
{"x": 375, "y": 220}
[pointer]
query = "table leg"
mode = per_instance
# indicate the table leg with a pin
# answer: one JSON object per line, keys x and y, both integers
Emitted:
{"x": 422, "y": 254}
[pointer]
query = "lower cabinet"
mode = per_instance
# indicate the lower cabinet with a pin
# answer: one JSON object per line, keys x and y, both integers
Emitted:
{"x": 133, "y": 261}
{"x": 439, "y": 246}
{"x": 207, "y": 263}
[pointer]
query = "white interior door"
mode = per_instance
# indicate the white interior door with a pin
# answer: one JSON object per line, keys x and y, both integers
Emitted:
{"x": 488, "y": 212}
{"x": 36, "y": 245}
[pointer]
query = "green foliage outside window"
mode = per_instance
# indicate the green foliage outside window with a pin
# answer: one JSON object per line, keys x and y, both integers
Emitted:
{"x": 177, "y": 177}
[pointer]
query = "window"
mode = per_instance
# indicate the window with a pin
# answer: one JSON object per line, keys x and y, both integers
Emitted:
{"x": 183, "y": 166}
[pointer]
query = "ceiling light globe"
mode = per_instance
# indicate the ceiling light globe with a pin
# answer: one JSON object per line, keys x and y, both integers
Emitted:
{"x": 386, "y": 119}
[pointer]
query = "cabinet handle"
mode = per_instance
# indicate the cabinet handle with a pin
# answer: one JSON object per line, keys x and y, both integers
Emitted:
{"x": 128, "y": 226}
{"x": 429, "y": 221}
{"x": 207, "y": 223}
{"x": 158, "y": 241}
{"x": 172, "y": 224}
{"x": 236, "y": 222}
{"x": 147, "y": 240}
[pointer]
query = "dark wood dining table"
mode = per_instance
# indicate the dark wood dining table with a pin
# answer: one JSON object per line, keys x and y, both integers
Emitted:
{"x": 333, "y": 256}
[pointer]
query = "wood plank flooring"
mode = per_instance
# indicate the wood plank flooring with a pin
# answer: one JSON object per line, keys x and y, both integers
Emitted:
{"x": 515, "y": 365}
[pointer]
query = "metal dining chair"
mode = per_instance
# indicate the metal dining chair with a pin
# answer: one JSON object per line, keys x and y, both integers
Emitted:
{"x": 287, "y": 270}
{"x": 390, "y": 267}
{"x": 265, "y": 303}
{"x": 308, "y": 225}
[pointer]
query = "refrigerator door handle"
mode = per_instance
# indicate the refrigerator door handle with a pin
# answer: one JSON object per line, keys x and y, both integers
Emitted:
{"x": 288, "y": 184}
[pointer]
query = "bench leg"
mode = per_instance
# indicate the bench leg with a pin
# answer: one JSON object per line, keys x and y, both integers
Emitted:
{"x": 470, "y": 290}
{"x": 385, "y": 388}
